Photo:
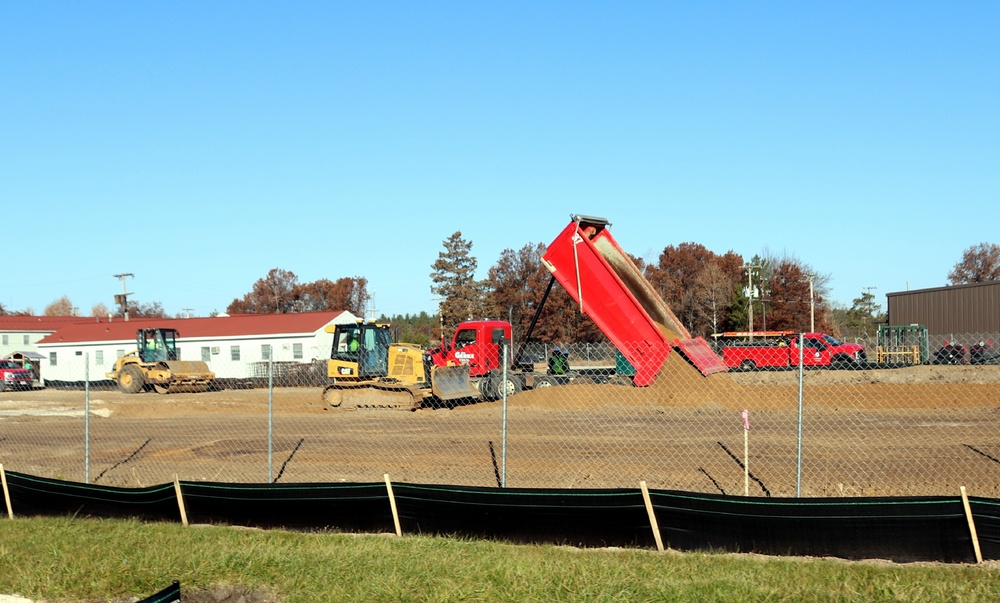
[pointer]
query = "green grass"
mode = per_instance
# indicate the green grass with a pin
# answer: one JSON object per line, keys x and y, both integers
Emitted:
{"x": 93, "y": 560}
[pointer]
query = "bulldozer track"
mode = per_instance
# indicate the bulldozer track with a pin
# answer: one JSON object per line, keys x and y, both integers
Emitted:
{"x": 372, "y": 396}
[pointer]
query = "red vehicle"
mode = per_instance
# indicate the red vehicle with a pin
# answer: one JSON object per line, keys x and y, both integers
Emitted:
{"x": 478, "y": 344}
{"x": 13, "y": 376}
{"x": 819, "y": 349}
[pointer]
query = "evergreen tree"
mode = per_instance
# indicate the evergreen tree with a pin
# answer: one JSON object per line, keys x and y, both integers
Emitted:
{"x": 454, "y": 282}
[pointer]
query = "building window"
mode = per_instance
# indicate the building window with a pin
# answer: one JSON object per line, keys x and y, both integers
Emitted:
{"x": 99, "y": 357}
{"x": 234, "y": 352}
{"x": 265, "y": 351}
{"x": 119, "y": 353}
{"x": 52, "y": 358}
{"x": 206, "y": 354}
{"x": 6, "y": 339}
{"x": 297, "y": 351}
{"x": 27, "y": 339}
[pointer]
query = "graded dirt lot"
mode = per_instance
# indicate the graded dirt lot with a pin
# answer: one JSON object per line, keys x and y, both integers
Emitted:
{"x": 915, "y": 430}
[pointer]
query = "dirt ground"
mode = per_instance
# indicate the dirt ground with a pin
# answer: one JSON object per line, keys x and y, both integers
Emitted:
{"x": 914, "y": 430}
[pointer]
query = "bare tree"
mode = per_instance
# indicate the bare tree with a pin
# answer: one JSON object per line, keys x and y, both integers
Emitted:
{"x": 979, "y": 263}
{"x": 713, "y": 289}
{"x": 791, "y": 306}
{"x": 150, "y": 310}
{"x": 272, "y": 294}
{"x": 349, "y": 294}
{"x": 518, "y": 282}
{"x": 698, "y": 300}
{"x": 60, "y": 307}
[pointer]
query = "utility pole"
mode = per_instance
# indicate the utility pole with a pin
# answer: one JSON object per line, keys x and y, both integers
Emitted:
{"x": 869, "y": 300}
{"x": 187, "y": 312}
{"x": 812, "y": 306}
{"x": 440, "y": 301}
{"x": 122, "y": 299}
{"x": 750, "y": 293}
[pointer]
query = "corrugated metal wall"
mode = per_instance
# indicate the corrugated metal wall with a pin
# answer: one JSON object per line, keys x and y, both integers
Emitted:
{"x": 943, "y": 310}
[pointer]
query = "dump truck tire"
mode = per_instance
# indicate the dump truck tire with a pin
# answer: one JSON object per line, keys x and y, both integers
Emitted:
{"x": 130, "y": 380}
{"x": 495, "y": 385}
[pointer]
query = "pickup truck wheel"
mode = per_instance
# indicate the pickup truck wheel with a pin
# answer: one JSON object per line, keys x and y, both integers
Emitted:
{"x": 748, "y": 365}
{"x": 843, "y": 363}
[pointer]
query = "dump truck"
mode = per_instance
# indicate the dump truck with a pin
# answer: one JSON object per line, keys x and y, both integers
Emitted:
{"x": 586, "y": 261}
{"x": 609, "y": 288}
{"x": 155, "y": 365}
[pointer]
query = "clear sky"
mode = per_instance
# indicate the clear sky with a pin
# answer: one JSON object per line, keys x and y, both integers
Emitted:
{"x": 197, "y": 145}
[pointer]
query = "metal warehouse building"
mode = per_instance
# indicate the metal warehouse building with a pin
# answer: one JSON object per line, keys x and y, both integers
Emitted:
{"x": 964, "y": 309}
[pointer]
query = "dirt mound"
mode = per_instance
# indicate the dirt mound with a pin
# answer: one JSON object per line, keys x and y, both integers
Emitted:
{"x": 680, "y": 385}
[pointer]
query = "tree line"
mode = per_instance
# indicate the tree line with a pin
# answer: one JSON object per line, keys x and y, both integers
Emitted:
{"x": 709, "y": 293}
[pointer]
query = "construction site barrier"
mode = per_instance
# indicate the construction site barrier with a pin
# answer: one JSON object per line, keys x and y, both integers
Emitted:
{"x": 952, "y": 529}
{"x": 901, "y": 354}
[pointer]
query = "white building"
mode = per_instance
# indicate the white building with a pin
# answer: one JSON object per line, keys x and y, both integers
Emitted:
{"x": 233, "y": 346}
{"x": 21, "y": 333}
{"x": 19, "y": 336}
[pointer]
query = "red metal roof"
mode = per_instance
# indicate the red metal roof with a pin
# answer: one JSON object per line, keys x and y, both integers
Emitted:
{"x": 214, "y": 327}
{"x": 39, "y": 323}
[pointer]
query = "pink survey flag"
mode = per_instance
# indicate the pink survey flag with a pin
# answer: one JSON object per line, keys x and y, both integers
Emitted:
{"x": 746, "y": 419}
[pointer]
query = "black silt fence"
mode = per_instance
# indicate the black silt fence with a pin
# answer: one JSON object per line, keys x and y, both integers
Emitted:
{"x": 897, "y": 528}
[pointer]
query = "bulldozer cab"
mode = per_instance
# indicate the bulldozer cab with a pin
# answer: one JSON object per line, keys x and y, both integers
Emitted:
{"x": 157, "y": 345}
{"x": 365, "y": 344}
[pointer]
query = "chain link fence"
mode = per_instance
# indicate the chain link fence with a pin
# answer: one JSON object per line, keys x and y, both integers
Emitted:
{"x": 913, "y": 423}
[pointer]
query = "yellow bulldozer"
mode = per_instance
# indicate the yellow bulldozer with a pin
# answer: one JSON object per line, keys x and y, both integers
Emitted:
{"x": 154, "y": 365}
{"x": 368, "y": 370}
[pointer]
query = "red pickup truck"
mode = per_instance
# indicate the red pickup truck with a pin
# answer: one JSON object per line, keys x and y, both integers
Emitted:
{"x": 818, "y": 349}
{"x": 12, "y": 375}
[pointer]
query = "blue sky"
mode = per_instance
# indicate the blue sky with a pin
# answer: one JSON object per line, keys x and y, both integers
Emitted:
{"x": 197, "y": 145}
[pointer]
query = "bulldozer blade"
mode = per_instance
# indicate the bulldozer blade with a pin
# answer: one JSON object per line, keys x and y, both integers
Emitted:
{"x": 452, "y": 383}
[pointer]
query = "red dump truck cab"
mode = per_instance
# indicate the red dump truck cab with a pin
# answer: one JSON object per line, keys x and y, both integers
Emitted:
{"x": 818, "y": 349}
{"x": 475, "y": 343}
{"x": 13, "y": 376}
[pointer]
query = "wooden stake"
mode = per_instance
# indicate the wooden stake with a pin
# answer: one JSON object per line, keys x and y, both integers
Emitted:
{"x": 392, "y": 505}
{"x": 972, "y": 525}
{"x": 652, "y": 515}
{"x": 746, "y": 453}
{"x": 180, "y": 500}
{"x": 6, "y": 492}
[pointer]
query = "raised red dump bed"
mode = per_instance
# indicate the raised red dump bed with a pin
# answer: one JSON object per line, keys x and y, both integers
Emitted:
{"x": 610, "y": 289}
